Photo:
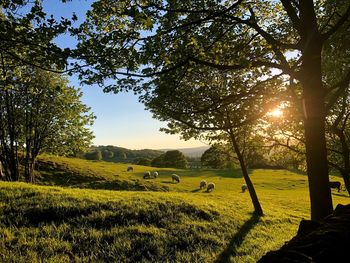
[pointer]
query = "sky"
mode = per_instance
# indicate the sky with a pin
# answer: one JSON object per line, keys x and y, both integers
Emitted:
{"x": 121, "y": 119}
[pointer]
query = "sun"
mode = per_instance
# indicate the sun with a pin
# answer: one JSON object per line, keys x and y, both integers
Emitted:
{"x": 277, "y": 113}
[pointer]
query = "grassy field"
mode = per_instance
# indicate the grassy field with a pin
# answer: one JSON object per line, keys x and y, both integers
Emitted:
{"x": 86, "y": 211}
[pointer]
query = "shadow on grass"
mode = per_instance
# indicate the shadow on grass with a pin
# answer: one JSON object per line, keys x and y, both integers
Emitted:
{"x": 237, "y": 239}
{"x": 195, "y": 190}
{"x": 342, "y": 195}
{"x": 225, "y": 173}
{"x": 167, "y": 182}
{"x": 64, "y": 178}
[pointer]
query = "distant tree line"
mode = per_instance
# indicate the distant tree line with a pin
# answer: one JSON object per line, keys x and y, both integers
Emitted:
{"x": 147, "y": 157}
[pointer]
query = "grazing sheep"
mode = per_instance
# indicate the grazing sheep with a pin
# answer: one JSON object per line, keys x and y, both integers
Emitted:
{"x": 210, "y": 187}
{"x": 202, "y": 184}
{"x": 155, "y": 174}
{"x": 147, "y": 175}
{"x": 130, "y": 168}
{"x": 335, "y": 185}
{"x": 175, "y": 178}
{"x": 244, "y": 187}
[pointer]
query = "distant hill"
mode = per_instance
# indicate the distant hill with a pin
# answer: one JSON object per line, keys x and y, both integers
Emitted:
{"x": 191, "y": 152}
{"x": 118, "y": 154}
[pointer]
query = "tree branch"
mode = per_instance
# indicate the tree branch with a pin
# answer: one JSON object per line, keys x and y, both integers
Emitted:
{"x": 337, "y": 25}
{"x": 342, "y": 85}
{"x": 292, "y": 15}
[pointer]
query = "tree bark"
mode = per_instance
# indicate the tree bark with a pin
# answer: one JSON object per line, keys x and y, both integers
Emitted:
{"x": 257, "y": 207}
{"x": 314, "y": 113}
{"x": 314, "y": 125}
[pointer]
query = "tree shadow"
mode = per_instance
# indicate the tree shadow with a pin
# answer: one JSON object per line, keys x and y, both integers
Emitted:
{"x": 342, "y": 195}
{"x": 195, "y": 190}
{"x": 168, "y": 182}
{"x": 237, "y": 239}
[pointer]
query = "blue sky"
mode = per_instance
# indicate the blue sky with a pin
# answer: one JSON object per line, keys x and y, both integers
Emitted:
{"x": 121, "y": 119}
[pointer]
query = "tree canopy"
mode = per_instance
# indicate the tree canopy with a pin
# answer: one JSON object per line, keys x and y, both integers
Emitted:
{"x": 139, "y": 43}
{"x": 40, "y": 113}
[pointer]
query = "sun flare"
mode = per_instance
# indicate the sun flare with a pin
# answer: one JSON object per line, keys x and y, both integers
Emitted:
{"x": 277, "y": 113}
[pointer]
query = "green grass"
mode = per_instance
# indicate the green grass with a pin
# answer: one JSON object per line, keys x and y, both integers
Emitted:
{"x": 168, "y": 223}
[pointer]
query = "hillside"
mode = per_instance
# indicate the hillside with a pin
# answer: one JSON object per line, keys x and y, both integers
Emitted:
{"x": 172, "y": 222}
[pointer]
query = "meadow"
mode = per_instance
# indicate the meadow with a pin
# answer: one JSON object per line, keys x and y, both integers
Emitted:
{"x": 86, "y": 211}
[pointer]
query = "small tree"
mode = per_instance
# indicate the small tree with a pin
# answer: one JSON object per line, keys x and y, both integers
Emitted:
{"x": 94, "y": 155}
{"x": 107, "y": 154}
{"x": 214, "y": 106}
{"x": 144, "y": 161}
{"x": 216, "y": 157}
{"x": 158, "y": 161}
{"x": 174, "y": 159}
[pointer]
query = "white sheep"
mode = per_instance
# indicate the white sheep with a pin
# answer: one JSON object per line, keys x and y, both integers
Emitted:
{"x": 130, "y": 168}
{"x": 175, "y": 177}
{"x": 244, "y": 187}
{"x": 210, "y": 187}
{"x": 202, "y": 184}
{"x": 155, "y": 174}
{"x": 147, "y": 175}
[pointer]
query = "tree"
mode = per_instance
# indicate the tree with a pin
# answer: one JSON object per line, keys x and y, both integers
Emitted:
{"x": 95, "y": 155}
{"x": 338, "y": 138}
{"x": 26, "y": 40}
{"x": 144, "y": 161}
{"x": 214, "y": 106}
{"x": 216, "y": 157}
{"x": 158, "y": 161}
{"x": 173, "y": 158}
{"x": 147, "y": 40}
{"x": 40, "y": 113}
{"x": 27, "y": 34}
{"x": 107, "y": 154}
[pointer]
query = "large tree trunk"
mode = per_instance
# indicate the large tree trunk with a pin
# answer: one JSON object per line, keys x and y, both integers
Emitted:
{"x": 257, "y": 207}
{"x": 314, "y": 125}
{"x": 314, "y": 113}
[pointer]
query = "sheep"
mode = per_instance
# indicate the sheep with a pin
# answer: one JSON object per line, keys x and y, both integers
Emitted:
{"x": 130, "y": 169}
{"x": 244, "y": 187}
{"x": 175, "y": 178}
{"x": 155, "y": 174}
{"x": 202, "y": 184}
{"x": 335, "y": 184}
{"x": 147, "y": 175}
{"x": 210, "y": 187}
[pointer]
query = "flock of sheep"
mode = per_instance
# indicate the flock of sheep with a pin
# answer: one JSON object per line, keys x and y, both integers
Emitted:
{"x": 176, "y": 179}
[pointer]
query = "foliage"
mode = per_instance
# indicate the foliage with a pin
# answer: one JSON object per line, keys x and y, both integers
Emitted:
{"x": 173, "y": 158}
{"x": 159, "y": 41}
{"x": 118, "y": 154}
{"x": 94, "y": 155}
{"x": 216, "y": 157}
{"x": 27, "y": 35}
{"x": 107, "y": 154}
{"x": 144, "y": 161}
{"x": 40, "y": 113}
